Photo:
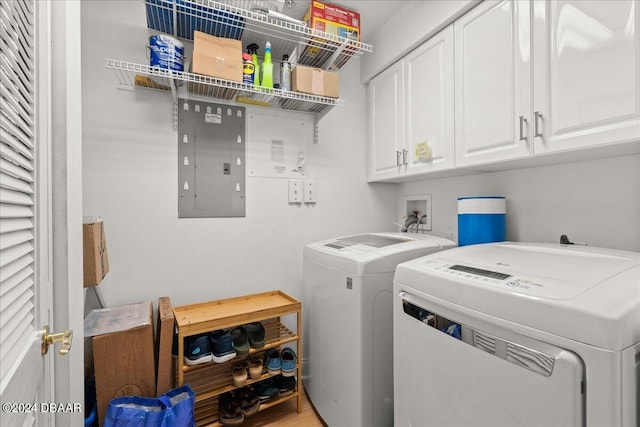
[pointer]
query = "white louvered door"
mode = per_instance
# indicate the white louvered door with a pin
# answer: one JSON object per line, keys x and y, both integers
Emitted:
{"x": 25, "y": 295}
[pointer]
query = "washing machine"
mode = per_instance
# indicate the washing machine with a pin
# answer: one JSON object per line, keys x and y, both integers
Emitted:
{"x": 518, "y": 334}
{"x": 348, "y": 322}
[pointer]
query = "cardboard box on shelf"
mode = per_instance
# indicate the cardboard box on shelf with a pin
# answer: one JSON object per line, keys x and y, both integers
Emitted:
{"x": 315, "y": 81}
{"x": 164, "y": 336}
{"x": 94, "y": 246}
{"x": 123, "y": 352}
{"x": 333, "y": 19}
{"x": 217, "y": 57}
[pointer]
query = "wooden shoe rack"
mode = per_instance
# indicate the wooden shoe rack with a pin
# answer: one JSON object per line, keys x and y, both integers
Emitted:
{"x": 210, "y": 380}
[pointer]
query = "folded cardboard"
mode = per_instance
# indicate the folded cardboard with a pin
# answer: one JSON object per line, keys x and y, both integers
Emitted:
{"x": 164, "y": 337}
{"x": 315, "y": 81}
{"x": 217, "y": 57}
{"x": 123, "y": 358}
{"x": 94, "y": 246}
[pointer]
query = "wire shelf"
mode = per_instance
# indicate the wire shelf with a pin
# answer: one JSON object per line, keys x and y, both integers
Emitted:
{"x": 306, "y": 45}
{"x": 132, "y": 74}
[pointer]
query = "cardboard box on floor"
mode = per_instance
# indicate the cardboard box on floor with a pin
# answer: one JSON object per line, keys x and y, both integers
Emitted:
{"x": 94, "y": 246}
{"x": 315, "y": 81}
{"x": 164, "y": 337}
{"x": 123, "y": 352}
{"x": 217, "y": 57}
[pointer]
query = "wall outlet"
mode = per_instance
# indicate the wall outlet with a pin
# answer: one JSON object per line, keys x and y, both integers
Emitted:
{"x": 310, "y": 191}
{"x": 296, "y": 189}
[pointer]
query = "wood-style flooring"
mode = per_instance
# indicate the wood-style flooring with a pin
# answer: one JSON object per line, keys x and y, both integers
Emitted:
{"x": 285, "y": 415}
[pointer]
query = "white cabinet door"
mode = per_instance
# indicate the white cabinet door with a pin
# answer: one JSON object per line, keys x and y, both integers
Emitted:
{"x": 385, "y": 101}
{"x": 429, "y": 131}
{"x": 587, "y": 73}
{"x": 492, "y": 83}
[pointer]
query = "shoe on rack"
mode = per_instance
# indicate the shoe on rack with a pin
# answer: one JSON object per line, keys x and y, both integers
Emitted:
{"x": 288, "y": 358}
{"x": 255, "y": 331}
{"x": 273, "y": 361}
{"x": 222, "y": 346}
{"x": 240, "y": 340}
{"x": 286, "y": 384}
{"x": 267, "y": 389}
{"x": 239, "y": 373}
{"x": 197, "y": 350}
{"x": 255, "y": 368}
{"x": 230, "y": 411}
{"x": 248, "y": 400}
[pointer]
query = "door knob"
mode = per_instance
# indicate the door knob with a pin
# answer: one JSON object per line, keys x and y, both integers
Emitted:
{"x": 64, "y": 338}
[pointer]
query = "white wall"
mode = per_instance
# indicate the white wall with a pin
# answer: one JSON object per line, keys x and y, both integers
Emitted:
{"x": 595, "y": 202}
{"x": 130, "y": 179}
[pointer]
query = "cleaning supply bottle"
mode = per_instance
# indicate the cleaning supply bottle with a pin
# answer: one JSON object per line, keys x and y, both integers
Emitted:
{"x": 253, "y": 51}
{"x": 248, "y": 69}
{"x": 267, "y": 68}
{"x": 285, "y": 73}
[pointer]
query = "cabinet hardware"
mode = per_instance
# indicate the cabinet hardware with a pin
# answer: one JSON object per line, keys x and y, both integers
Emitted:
{"x": 404, "y": 157}
{"x": 523, "y": 120}
{"x": 537, "y": 118}
{"x": 398, "y": 158}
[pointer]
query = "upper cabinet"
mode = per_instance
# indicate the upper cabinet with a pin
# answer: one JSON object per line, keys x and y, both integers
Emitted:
{"x": 531, "y": 79}
{"x": 385, "y": 118}
{"x": 411, "y": 113}
{"x": 429, "y": 105}
{"x": 586, "y": 74}
{"x": 492, "y": 83}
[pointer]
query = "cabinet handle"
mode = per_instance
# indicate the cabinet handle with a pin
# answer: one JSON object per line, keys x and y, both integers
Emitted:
{"x": 523, "y": 120}
{"x": 398, "y": 158}
{"x": 404, "y": 157}
{"x": 537, "y": 118}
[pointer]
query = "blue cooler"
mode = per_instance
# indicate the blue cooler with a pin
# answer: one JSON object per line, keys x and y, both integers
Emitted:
{"x": 481, "y": 220}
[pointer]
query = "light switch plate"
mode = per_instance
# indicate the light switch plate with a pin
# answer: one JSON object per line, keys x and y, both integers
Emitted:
{"x": 310, "y": 191}
{"x": 296, "y": 189}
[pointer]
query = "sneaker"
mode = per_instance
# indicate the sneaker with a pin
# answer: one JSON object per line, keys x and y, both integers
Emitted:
{"x": 197, "y": 350}
{"x": 286, "y": 384}
{"x": 230, "y": 411}
{"x": 267, "y": 389}
{"x": 255, "y": 331}
{"x": 222, "y": 346}
{"x": 288, "y": 357}
{"x": 274, "y": 363}
{"x": 240, "y": 340}
{"x": 255, "y": 368}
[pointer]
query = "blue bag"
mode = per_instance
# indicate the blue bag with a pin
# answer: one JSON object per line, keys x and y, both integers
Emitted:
{"x": 172, "y": 409}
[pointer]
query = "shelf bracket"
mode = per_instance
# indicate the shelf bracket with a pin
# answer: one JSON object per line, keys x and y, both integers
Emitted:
{"x": 335, "y": 55}
{"x": 175, "y": 115}
{"x": 316, "y": 124}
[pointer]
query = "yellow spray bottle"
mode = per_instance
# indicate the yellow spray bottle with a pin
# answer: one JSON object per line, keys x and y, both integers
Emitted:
{"x": 267, "y": 68}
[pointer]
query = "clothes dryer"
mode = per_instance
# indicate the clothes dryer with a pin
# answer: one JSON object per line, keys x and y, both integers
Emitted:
{"x": 348, "y": 322}
{"x": 518, "y": 334}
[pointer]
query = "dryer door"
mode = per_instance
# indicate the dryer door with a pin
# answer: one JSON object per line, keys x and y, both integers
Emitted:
{"x": 481, "y": 375}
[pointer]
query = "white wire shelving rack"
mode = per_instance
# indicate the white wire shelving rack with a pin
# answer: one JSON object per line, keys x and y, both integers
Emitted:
{"x": 306, "y": 46}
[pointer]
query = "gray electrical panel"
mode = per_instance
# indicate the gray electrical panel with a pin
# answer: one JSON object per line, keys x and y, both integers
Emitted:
{"x": 211, "y": 160}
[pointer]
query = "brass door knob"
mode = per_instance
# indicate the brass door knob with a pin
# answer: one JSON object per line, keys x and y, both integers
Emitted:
{"x": 64, "y": 338}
